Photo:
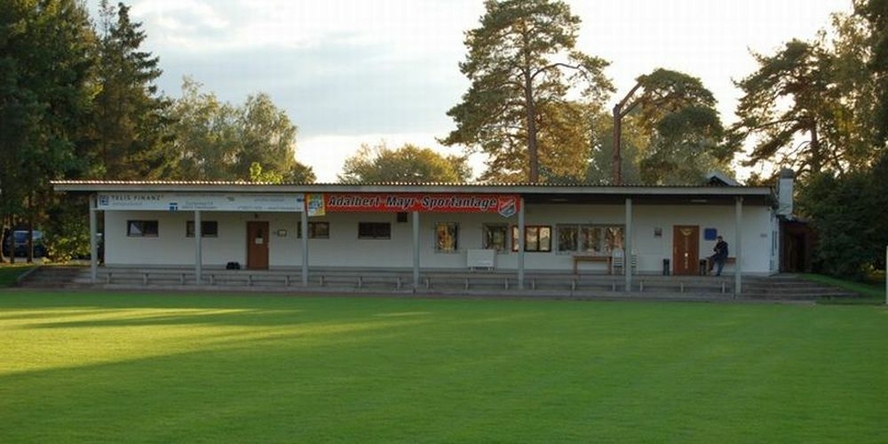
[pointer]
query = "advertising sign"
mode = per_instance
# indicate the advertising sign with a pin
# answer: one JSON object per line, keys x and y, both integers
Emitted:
{"x": 203, "y": 202}
{"x": 505, "y": 205}
{"x": 315, "y": 204}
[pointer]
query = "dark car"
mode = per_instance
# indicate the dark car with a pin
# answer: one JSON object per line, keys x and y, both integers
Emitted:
{"x": 20, "y": 240}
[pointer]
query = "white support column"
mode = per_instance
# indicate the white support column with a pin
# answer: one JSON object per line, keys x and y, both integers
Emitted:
{"x": 198, "y": 247}
{"x": 93, "y": 238}
{"x": 416, "y": 249}
{"x": 738, "y": 240}
{"x": 627, "y": 246}
{"x": 520, "y": 241}
{"x": 304, "y": 223}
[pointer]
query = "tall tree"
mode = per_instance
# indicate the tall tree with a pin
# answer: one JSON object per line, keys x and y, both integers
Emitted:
{"x": 811, "y": 105}
{"x": 684, "y": 148}
{"x": 46, "y": 58}
{"x": 876, "y": 14}
{"x": 266, "y": 136}
{"x": 204, "y": 128}
{"x": 218, "y": 141}
{"x": 787, "y": 99}
{"x": 684, "y": 132}
{"x": 850, "y": 121}
{"x": 129, "y": 122}
{"x": 408, "y": 164}
{"x": 523, "y": 64}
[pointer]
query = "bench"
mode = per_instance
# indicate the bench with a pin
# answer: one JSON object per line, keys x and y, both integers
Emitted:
{"x": 149, "y": 276}
{"x": 469, "y": 281}
{"x": 577, "y": 258}
{"x": 730, "y": 260}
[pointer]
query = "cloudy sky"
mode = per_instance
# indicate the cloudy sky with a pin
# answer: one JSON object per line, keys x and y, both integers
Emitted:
{"x": 349, "y": 72}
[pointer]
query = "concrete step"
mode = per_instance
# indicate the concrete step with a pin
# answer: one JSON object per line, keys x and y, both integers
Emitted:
{"x": 779, "y": 287}
{"x": 788, "y": 286}
{"x": 55, "y": 276}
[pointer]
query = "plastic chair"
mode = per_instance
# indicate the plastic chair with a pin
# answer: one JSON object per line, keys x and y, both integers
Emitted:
{"x": 617, "y": 260}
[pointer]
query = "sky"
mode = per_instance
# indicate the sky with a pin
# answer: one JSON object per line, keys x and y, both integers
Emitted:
{"x": 352, "y": 72}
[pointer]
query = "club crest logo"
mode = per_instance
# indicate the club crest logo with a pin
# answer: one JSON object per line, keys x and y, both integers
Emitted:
{"x": 507, "y": 206}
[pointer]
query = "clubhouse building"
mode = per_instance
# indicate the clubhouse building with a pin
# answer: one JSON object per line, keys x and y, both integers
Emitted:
{"x": 422, "y": 228}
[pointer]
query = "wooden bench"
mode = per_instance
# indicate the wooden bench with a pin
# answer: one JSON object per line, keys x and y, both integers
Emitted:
{"x": 730, "y": 260}
{"x": 577, "y": 258}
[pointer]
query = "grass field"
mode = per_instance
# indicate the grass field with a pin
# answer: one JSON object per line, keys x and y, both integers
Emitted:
{"x": 102, "y": 367}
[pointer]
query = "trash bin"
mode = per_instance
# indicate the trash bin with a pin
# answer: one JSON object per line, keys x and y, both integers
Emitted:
{"x": 666, "y": 268}
{"x": 704, "y": 267}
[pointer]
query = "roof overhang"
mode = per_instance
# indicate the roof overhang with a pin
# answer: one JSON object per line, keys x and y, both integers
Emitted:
{"x": 532, "y": 193}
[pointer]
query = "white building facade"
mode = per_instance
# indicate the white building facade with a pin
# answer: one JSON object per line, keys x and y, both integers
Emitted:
{"x": 539, "y": 227}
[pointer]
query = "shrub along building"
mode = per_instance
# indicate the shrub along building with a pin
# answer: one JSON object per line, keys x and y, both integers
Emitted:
{"x": 423, "y": 228}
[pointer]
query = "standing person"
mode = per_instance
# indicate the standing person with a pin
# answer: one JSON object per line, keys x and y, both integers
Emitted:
{"x": 721, "y": 255}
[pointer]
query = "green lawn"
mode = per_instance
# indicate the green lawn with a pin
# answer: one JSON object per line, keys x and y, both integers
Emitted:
{"x": 127, "y": 367}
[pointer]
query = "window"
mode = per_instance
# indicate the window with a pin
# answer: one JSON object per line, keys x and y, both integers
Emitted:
{"x": 141, "y": 228}
{"x": 446, "y": 237}
{"x": 567, "y": 237}
{"x": 208, "y": 228}
{"x": 494, "y": 237}
{"x": 589, "y": 238}
{"x": 316, "y": 230}
{"x": 536, "y": 238}
{"x": 374, "y": 230}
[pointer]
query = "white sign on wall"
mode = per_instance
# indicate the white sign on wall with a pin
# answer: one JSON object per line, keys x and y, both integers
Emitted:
{"x": 202, "y": 202}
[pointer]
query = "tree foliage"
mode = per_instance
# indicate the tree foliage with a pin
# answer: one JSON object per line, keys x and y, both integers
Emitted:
{"x": 875, "y": 12}
{"x": 686, "y": 131}
{"x": 523, "y": 66}
{"x": 78, "y": 100}
{"x": 677, "y": 131}
{"x": 814, "y": 107}
{"x": 218, "y": 141}
{"x": 796, "y": 74}
{"x": 408, "y": 164}
{"x": 849, "y": 215}
{"x": 46, "y": 61}
{"x": 129, "y": 123}
{"x": 809, "y": 106}
{"x": 634, "y": 141}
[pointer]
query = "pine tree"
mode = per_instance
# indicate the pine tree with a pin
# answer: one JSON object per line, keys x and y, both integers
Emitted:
{"x": 523, "y": 64}
{"x": 129, "y": 114}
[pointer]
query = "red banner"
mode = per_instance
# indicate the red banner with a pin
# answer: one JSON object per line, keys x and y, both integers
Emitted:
{"x": 505, "y": 205}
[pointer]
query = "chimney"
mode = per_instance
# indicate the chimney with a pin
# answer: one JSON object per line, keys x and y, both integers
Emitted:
{"x": 784, "y": 193}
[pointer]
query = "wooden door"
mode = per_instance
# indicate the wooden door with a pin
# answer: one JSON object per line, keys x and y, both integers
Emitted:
{"x": 257, "y": 245}
{"x": 685, "y": 249}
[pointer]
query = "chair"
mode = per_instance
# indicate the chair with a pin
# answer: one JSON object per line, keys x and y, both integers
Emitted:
{"x": 617, "y": 260}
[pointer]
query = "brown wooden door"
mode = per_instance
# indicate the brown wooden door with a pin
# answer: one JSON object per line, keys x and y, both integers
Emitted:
{"x": 257, "y": 245}
{"x": 685, "y": 249}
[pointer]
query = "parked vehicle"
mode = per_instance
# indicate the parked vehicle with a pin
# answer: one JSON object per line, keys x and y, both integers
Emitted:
{"x": 20, "y": 243}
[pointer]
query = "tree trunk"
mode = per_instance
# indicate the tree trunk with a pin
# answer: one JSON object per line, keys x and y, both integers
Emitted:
{"x": 816, "y": 153}
{"x": 533, "y": 156}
